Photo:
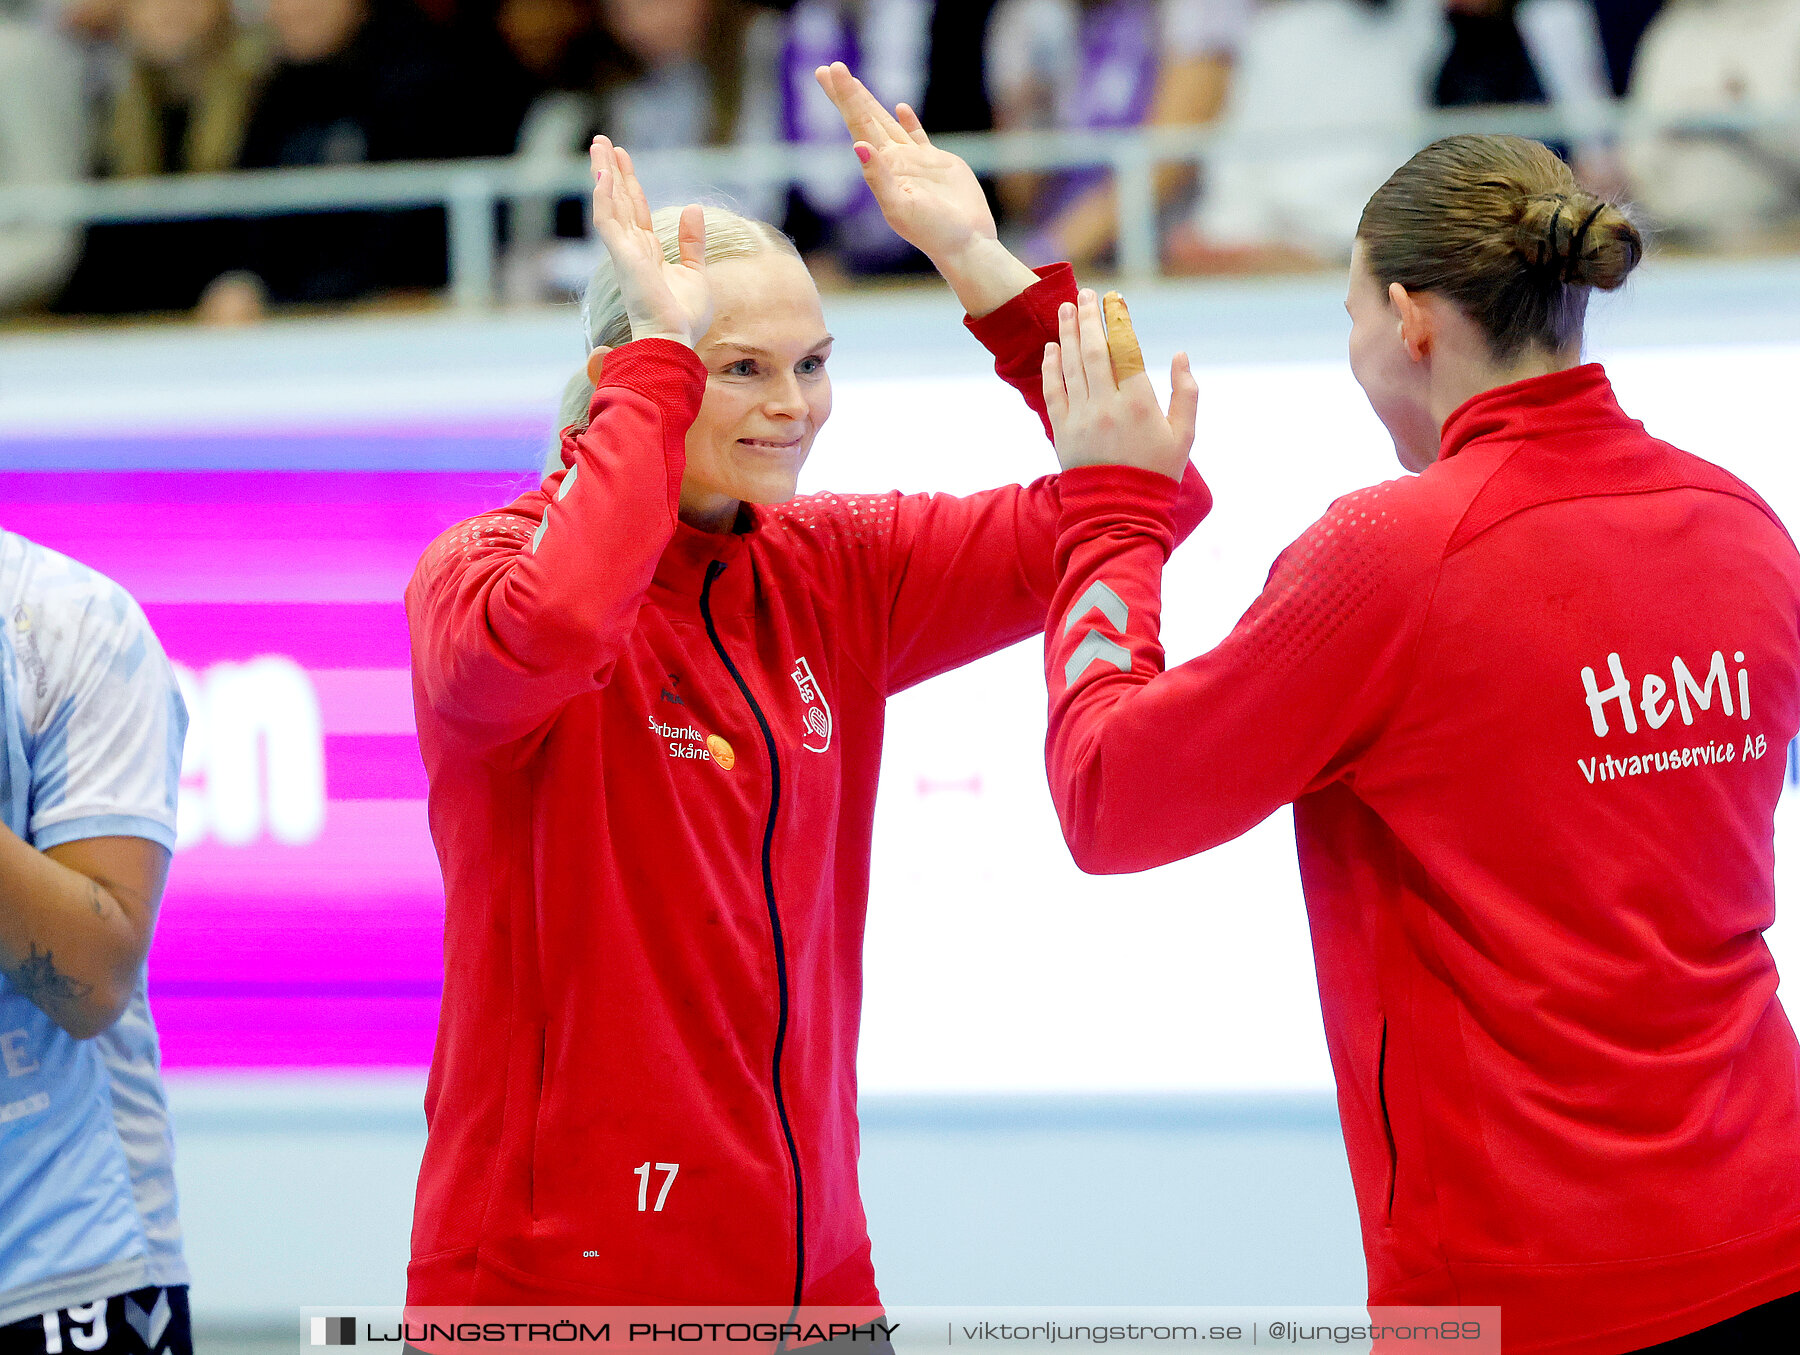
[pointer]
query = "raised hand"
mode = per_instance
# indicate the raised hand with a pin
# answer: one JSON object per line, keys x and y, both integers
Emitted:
{"x": 1102, "y": 408}
{"x": 663, "y": 300}
{"x": 930, "y": 197}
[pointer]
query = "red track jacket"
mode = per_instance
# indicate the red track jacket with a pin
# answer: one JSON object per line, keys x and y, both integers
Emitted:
{"x": 1532, "y": 709}
{"x": 653, "y": 754}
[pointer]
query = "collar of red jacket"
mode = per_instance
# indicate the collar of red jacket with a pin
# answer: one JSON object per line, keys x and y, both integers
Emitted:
{"x": 681, "y": 572}
{"x": 1577, "y": 399}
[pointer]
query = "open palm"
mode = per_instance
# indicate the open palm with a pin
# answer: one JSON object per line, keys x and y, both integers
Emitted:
{"x": 663, "y": 299}
{"x": 930, "y": 197}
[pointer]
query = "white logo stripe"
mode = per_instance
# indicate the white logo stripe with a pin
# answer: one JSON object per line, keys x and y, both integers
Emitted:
{"x": 1111, "y": 606}
{"x": 1095, "y": 647}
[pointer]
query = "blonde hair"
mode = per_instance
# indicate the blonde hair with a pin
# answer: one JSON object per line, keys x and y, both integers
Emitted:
{"x": 1499, "y": 225}
{"x": 603, "y": 318}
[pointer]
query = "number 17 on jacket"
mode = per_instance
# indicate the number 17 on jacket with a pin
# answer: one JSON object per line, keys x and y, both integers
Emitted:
{"x": 643, "y": 1175}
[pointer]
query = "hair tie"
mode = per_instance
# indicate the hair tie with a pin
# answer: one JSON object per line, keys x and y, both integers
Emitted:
{"x": 1576, "y": 243}
{"x": 1547, "y": 245}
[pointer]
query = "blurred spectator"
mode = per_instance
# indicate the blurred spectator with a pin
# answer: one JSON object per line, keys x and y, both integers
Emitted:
{"x": 956, "y": 93}
{"x": 1487, "y": 62}
{"x": 552, "y": 43}
{"x": 1323, "y": 95}
{"x": 1314, "y": 124}
{"x": 187, "y": 90}
{"x": 1100, "y": 64}
{"x": 96, "y": 20}
{"x": 1622, "y": 25}
{"x": 510, "y": 52}
{"x": 671, "y": 74}
{"x": 1726, "y": 188}
{"x": 355, "y": 82}
{"x": 1564, "y": 39}
{"x": 659, "y": 75}
{"x": 42, "y": 141}
{"x": 831, "y": 214}
{"x": 189, "y": 78}
{"x": 92, "y": 27}
{"x": 675, "y": 73}
{"x": 1535, "y": 52}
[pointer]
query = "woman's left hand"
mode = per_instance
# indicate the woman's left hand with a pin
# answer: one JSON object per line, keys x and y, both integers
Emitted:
{"x": 1102, "y": 408}
{"x": 930, "y": 197}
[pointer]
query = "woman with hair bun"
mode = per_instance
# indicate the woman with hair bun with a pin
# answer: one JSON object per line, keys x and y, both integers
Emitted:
{"x": 1530, "y": 706}
{"x": 650, "y": 699}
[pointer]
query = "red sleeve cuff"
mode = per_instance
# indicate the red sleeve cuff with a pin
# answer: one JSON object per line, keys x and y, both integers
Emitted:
{"x": 1096, "y": 499}
{"x": 1193, "y": 501}
{"x": 1029, "y": 319}
{"x": 674, "y": 379}
{"x": 666, "y": 371}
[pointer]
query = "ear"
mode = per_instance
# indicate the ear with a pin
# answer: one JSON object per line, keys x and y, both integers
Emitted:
{"x": 1417, "y": 324}
{"x": 596, "y": 363}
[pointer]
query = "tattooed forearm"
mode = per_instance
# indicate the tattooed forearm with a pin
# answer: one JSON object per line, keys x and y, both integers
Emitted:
{"x": 43, "y": 983}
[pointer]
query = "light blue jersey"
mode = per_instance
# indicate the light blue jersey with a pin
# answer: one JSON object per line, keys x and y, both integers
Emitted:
{"x": 91, "y": 729}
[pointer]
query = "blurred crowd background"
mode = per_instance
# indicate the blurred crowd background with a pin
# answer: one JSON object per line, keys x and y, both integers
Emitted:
{"x": 1314, "y": 98}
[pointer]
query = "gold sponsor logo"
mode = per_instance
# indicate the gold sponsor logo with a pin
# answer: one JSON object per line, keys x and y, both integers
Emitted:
{"x": 721, "y": 752}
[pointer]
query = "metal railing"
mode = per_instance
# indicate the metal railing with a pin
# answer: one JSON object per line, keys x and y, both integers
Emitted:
{"x": 469, "y": 190}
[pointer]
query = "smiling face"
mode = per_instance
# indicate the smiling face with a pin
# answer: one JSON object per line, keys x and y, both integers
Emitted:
{"x": 767, "y": 391}
{"x": 1397, "y": 383}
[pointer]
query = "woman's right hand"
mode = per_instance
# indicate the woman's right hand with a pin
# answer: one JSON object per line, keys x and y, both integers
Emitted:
{"x": 663, "y": 300}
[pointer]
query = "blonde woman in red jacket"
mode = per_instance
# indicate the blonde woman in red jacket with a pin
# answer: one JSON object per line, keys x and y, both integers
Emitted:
{"x": 650, "y": 702}
{"x": 1531, "y": 708}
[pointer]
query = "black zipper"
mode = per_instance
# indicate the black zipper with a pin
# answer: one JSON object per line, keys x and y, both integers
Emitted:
{"x": 1387, "y": 1124}
{"x": 713, "y": 571}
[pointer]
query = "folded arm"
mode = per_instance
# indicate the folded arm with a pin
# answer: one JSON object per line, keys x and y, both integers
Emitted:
{"x": 76, "y": 922}
{"x": 79, "y": 893}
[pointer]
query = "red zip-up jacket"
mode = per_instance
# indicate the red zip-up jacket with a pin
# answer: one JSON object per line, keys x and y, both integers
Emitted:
{"x": 1532, "y": 709}
{"x": 653, "y": 754}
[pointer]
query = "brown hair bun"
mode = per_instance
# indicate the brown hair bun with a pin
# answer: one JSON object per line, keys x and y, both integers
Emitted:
{"x": 1579, "y": 239}
{"x": 1499, "y": 225}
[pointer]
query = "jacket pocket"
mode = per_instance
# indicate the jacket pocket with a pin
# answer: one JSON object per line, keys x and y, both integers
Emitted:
{"x": 1387, "y": 1124}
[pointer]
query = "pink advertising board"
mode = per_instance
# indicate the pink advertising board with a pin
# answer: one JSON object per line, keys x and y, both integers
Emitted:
{"x": 303, "y": 920}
